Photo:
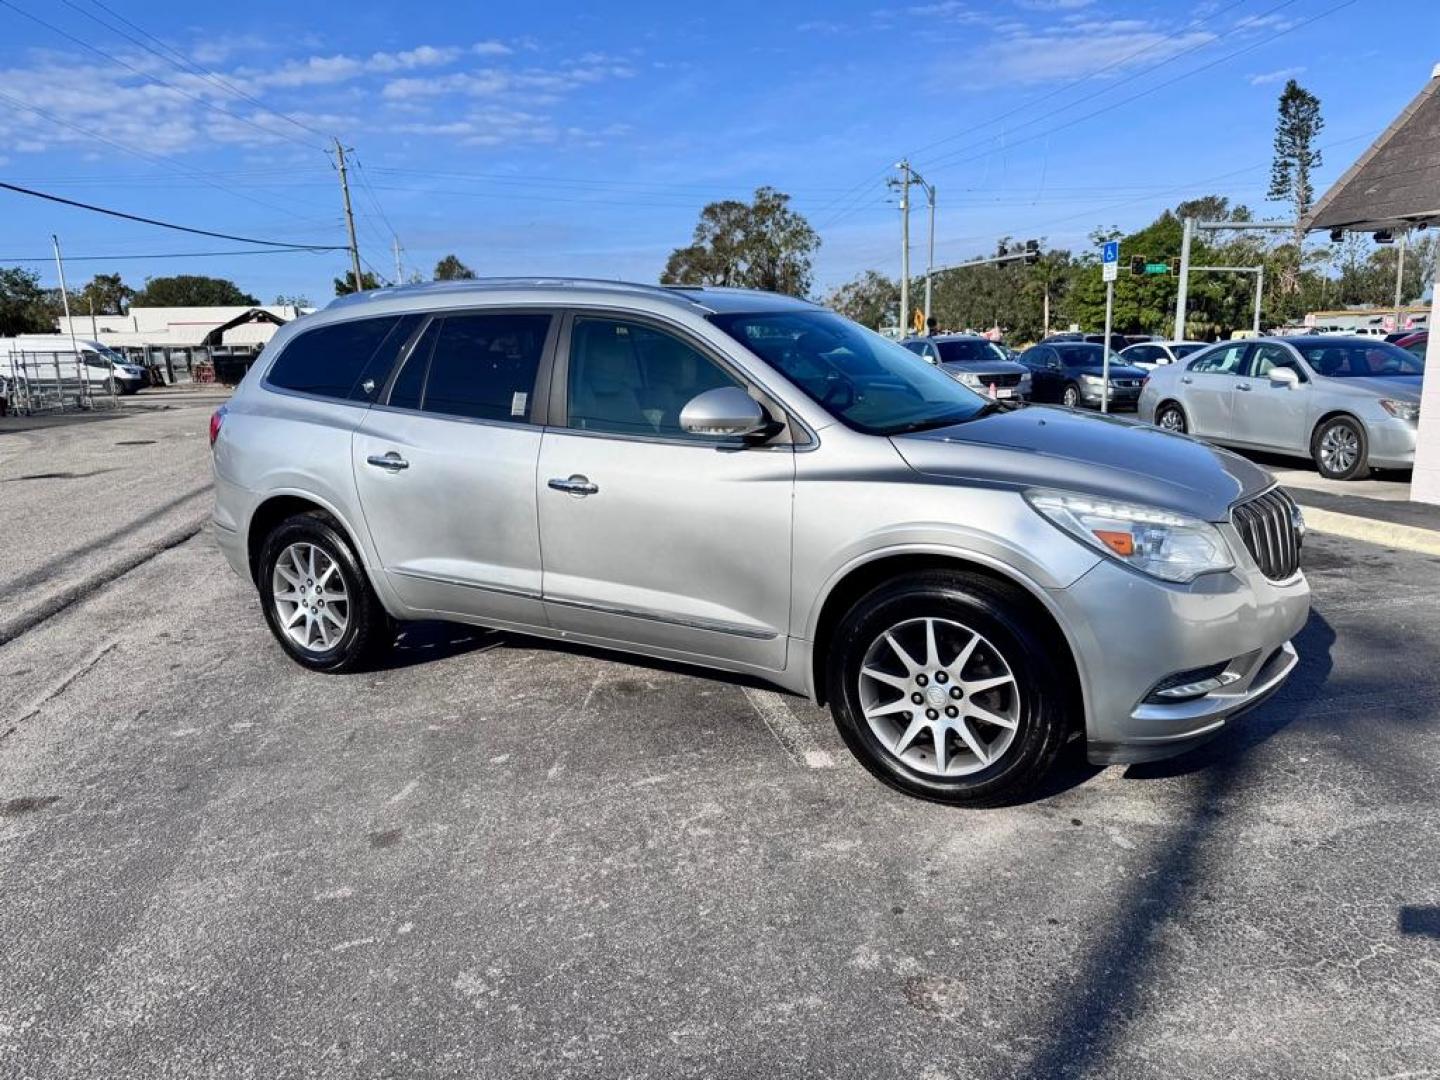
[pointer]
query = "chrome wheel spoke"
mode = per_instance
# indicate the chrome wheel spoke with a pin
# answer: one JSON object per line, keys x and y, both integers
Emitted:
{"x": 900, "y": 682}
{"x": 979, "y": 686}
{"x": 936, "y": 698}
{"x": 312, "y": 604}
{"x": 975, "y": 712}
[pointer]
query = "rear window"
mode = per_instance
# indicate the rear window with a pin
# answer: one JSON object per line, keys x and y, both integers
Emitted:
{"x": 341, "y": 360}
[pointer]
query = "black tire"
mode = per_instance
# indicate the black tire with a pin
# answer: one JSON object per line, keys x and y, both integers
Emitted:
{"x": 368, "y": 631}
{"x": 1346, "y": 430}
{"x": 1070, "y": 396}
{"x": 1181, "y": 425}
{"x": 1043, "y": 703}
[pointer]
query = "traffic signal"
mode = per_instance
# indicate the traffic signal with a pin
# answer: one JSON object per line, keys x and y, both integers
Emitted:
{"x": 1175, "y": 266}
{"x": 1032, "y": 252}
{"x": 1137, "y": 265}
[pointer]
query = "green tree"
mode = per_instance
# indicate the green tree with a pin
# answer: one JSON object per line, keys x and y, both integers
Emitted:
{"x": 25, "y": 306}
{"x": 299, "y": 300}
{"x": 869, "y": 299}
{"x": 344, "y": 286}
{"x": 760, "y": 245}
{"x": 106, "y": 294}
{"x": 452, "y": 269}
{"x": 191, "y": 290}
{"x": 1296, "y": 155}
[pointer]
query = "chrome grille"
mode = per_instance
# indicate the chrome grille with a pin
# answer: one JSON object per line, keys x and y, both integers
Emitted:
{"x": 1268, "y": 526}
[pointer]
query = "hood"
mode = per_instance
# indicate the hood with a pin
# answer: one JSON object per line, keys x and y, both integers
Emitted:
{"x": 1403, "y": 387}
{"x": 985, "y": 367}
{"x": 1117, "y": 371}
{"x": 1095, "y": 455}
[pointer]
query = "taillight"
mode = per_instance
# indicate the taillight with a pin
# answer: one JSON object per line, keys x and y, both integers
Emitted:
{"x": 216, "y": 419}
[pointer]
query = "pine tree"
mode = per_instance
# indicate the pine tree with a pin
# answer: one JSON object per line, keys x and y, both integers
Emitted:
{"x": 1296, "y": 156}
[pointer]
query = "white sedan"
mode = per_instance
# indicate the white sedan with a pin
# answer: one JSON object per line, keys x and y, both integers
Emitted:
{"x": 1152, "y": 354}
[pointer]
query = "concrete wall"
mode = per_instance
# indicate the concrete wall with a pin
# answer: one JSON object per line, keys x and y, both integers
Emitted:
{"x": 1425, "y": 486}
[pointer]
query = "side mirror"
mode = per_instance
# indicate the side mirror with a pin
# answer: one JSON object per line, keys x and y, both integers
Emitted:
{"x": 726, "y": 411}
{"x": 1284, "y": 377}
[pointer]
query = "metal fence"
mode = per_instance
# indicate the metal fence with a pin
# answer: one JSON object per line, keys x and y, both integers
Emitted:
{"x": 38, "y": 381}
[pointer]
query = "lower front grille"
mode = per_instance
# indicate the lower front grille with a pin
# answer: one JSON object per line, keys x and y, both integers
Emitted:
{"x": 1270, "y": 527}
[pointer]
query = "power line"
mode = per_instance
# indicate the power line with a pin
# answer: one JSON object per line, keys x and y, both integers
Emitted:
{"x": 161, "y": 159}
{"x": 949, "y": 160}
{"x": 166, "y": 224}
{"x": 936, "y": 163}
{"x": 190, "y": 64}
{"x": 163, "y": 255}
{"x": 146, "y": 75}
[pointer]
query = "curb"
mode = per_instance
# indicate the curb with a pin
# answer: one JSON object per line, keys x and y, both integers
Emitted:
{"x": 1383, "y": 533}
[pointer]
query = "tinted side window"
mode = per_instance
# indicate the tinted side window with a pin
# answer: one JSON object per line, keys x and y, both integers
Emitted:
{"x": 630, "y": 379}
{"x": 483, "y": 366}
{"x": 1224, "y": 360}
{"x": 410, "y": 383}
{"x": 333, "y": 361}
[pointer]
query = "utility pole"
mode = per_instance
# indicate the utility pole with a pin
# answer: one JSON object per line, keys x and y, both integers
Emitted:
{"x": 349, "y": 215}
{"x": 904, "y": 185}
{"x": 1399, "y": 281}
{"x": 1180, "y": 296}
{"x": 399, "y": 269}
{"x": 930, "y": 260}
{"x": 65, "y": 304}
{"x": 1259, "y": 294}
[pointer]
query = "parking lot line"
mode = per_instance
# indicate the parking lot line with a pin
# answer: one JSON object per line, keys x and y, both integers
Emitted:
{"x": 1384, "y": 533}
{"x": 792, "y": 735}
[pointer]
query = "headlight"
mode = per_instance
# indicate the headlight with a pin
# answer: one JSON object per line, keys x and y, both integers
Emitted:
{"x": 1160, "y": 543}
{"x": 969, "y": 379}
{"x": 1092, "y": 380}
{"x": 1024, "y": 379}
{"x": 1403, "y": 410}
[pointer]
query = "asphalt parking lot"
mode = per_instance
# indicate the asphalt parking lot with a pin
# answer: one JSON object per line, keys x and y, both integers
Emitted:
{"x": 498, "y": 858}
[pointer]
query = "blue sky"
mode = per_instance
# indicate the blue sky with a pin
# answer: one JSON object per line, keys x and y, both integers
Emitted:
{"x": 583, "y": 138}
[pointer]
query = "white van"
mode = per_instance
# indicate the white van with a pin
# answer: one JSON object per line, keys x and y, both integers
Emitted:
{"x": 36, "y": 357}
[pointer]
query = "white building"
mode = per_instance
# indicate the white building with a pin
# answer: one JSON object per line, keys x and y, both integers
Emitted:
{"x": 154, "y": 331}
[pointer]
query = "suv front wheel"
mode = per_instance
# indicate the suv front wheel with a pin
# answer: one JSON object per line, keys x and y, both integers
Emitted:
{"x": 317, "y": 600}
{"x": 943, "y": 688}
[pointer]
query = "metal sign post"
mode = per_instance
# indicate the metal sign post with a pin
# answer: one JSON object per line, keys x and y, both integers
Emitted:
{"x": 1110, "y": 267}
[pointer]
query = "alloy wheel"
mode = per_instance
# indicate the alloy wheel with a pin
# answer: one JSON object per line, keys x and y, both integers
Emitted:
{"x": 1339, "y": 448}
{"x": 939, "y": 697}
{"x": 312, "y": 604}
{"x": 1172, "y": 420}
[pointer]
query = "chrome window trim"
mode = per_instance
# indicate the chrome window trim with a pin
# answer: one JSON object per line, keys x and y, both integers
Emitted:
{"x": 559, "y": 402}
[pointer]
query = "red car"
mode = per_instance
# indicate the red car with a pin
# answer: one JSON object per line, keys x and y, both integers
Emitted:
{"x": 1415, "y": 343}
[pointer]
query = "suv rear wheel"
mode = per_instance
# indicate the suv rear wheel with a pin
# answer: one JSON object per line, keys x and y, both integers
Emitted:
{"x": 317, "y": 600}
{"x": 943, "y": 688}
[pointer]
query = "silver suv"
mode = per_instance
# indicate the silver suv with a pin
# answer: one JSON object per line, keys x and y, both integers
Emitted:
{"x": 752, "y": 483}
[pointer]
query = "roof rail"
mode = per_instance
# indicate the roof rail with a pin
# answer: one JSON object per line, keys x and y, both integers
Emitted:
{"x": 671, "y": 293}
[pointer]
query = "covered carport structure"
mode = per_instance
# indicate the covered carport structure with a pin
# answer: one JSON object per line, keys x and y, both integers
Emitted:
{"x": 1393, "y": 187}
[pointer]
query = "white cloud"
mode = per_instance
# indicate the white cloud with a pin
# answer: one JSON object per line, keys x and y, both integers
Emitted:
{"x": 1079, "y": 46}
{"x": 1053, "y": 5}
{"x": 1267, "y": 77}
{"x": 491, "y": 48}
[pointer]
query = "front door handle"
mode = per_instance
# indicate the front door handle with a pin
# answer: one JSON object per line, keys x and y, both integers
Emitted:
{"x": 574, "y": 485}
{"x": 1187, "y": 379}
{"x": 390, "y": 461}
{"x": 1242, "y": 386}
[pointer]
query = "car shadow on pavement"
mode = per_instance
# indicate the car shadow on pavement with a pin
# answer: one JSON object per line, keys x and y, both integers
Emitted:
{"x": 426, "y": 642}
{"x": 1108, "y": 985}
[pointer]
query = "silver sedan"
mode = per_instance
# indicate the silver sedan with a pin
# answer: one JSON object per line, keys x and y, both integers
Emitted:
{"x": 1350, "y": 404}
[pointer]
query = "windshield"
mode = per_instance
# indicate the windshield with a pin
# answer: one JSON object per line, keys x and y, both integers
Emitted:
{"x": 1358, "y": 359}
{"x": 862, "y": 379}
{"x": 1076, "y": 356}
{"x": 963, "y": 352}
{"x": 111, "y": 355}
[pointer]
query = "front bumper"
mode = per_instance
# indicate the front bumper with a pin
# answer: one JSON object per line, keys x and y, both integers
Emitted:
{"x": 1119, "y": 398}
{"x": 1392, "y": 443}
{"x": 1130, "y": 632}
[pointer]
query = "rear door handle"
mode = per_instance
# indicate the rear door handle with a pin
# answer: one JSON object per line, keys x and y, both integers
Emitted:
{"x": 1242, "y": 386}
{"x": 574, "y": 485}
{"x": 390, "y": 461}
{"x": 1187, "y": 379}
